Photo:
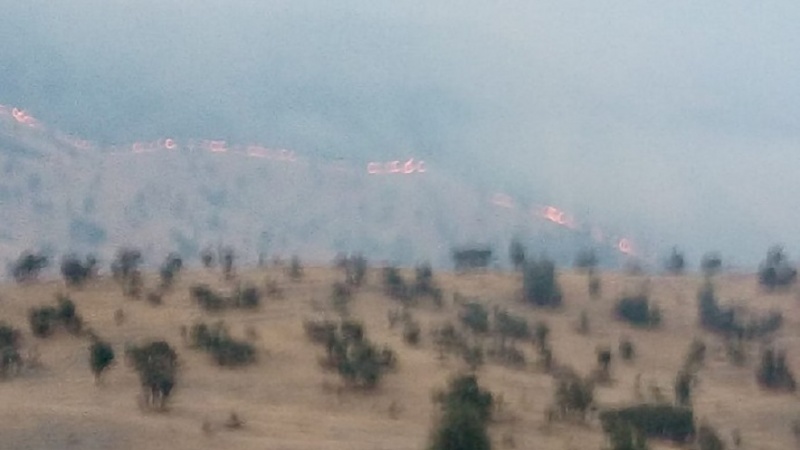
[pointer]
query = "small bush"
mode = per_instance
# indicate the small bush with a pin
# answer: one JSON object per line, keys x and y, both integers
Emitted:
{"x": 776, "y": 271}
{"x": 586, "y": 260}
{"x": 637, "y": 311}
{"x": 126, "y": 262}
{"x": 463, "y": 392}
{"x": 296, "y": 271}
{"x": 10, "y": 358}
{"x": 411, "y": 332}
{"x": 207, "y": 299}
{"x": 726, "y": 321}
{"x": 156, "y": 363}
{"x": 626, "y": 349}
{"x": 516, "y": 253}
{"x": 77, "y": 272}
{"x": 541, "y": 333}
{"x": 708, "y": 439}
{"x": 711, "y": 264}
{"x": 101, "y": 355}
{"x": 539, "y": 284}
{"x": 595, "y": 286}
{"x": 169, "y": 269}
{"x": 225, "y": 350}
{"x": 623, "y": 436}
{"x": 341, "y": 294}
{"x": 207, "y": 258}
{"x": 683, "y": 388}
{"x": 247, "y": 297}
{"x": 475, "y": 317}
{"x": 471, "y": 258}
{"x": 773, "y": 373}
{"x": 675, "y": 263}
{"x": 446, "y": 337}
{"x": 394, "y": 285}
{"x": 510, "y": 327}
{"x": 46, "y": 319}
{"x": 28, "y": 266}
{"x": 696, "y": 355}
{"x": 574, "y": 396}
{"x": 661, "y": 421}
{"x": 227, "y": 257}
{"x": 425, "y": 285}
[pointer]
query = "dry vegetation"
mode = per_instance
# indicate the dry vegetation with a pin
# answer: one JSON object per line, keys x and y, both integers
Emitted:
{"x": 286, "y": 400}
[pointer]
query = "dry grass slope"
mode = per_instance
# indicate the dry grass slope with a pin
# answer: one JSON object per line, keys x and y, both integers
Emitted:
{"x": 288, "y": 402}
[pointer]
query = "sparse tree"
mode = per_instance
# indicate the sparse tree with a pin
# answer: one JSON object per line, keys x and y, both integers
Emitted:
{"x": 540, "y": 286}
{"x": 586, "y": 260}
{"x": 295, "y": 269}
{"x": 711, "y": 263}
{"x": 516, "y": 252}
{"x": 207, "y": 257}
{"x": 675, "y": 263}
{"x": 28, "y": 266}
{"x": 227, "y": 256}
{"x": 101, "y": 355}
{"x": 77, "y": 272}
{"x": 776, "y": 271}
{"x": 156, "y": 363}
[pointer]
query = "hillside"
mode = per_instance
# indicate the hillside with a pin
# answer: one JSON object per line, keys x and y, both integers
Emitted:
{"x": 288, "y": 401}
{"x": 63, "y": 194}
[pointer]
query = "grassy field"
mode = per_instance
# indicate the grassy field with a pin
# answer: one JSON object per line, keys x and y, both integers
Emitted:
{"x": 288, "y": 401}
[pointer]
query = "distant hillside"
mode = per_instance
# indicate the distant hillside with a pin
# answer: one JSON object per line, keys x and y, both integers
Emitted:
{"x": 62, "y": 194}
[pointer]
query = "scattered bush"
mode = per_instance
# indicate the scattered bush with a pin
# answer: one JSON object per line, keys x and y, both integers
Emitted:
{"x": 584, "y": 326}
{"x": 411, "y": 332}
{"x": 595, "y": 286}
{"x": 126, "y": 263}
{"x": 539, "y": 284}
{"x": 574, "y": 396}
{"x": 586, "y": 260}
{"x": 10, "y": 358}
{"x": 44, "y": 320}
{"x": 637, "y": 311}
{"x": 156, "y": 363}
{"x": 341, "y": 294}
{"x": 171, "y": 267}
{"x": 660, "y": 421}
{"x": 604, "y": 362}
{"x": 626, "y": 349}
{"x": 356, "y": 359}
{"x": 244, "y": 297}
{"x": 394, "y": 285}
{"x": 466, "y": 409}
{"x": 623, "y": 436}
{"x": 510, "y": 327}
{"x": 776, "y": 271}
{"x": 77, "y": 272}
{"x": 516, "y": 253}
{"x": 470, "y": 258}
{"x": 726, "y": 321}
{"x": 425, "y": 285}
{"x": 475, "y": 317}
{"x": 28, "y": 266}
{"x": 101, "y": 355}
{"x": 227, "y": 257}
{"x": 711, "y": 264}
{"x": 207, "y": 257}
{"x": 773, "y": 373}
{"x": 447, "y": 338}
{"x": 296, "y": 271}
{"x": 541, "y": 333}
{"x": 355, "y": 268}
{"x": 683, "y": 388}
{"x": 675, "y": 263}
{"x": 696, "y": 356}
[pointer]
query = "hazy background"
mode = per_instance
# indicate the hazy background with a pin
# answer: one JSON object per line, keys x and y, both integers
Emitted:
{"x": 678, "y": 122}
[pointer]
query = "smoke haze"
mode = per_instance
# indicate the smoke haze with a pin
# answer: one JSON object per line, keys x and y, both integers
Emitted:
{"x": 677, "y": 122}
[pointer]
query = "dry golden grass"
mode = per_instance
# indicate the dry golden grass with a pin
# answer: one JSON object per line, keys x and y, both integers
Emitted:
{"x": 287, "y": 401}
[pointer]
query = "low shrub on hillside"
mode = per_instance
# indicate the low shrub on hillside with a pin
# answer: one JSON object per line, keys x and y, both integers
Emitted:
{"x": 101, "y": 355}
{"x": 244, "y": 297}
{"x": 466, "y": 410}
{"x": 28, "y": 266}
{"x": 77, "y": 272}
{"x": 216, "y": 340}
{"x": 157, "y": 364}
{"x": 662, "y": 421}
{"x": 475, "y": 317}
{"x": 360, "y": 362}
{"x": 774, "y": 373}
{"x": 10, "y": 359}
{"x": 728, "y": 321}
{"x": 46, "y": 319}
{"x": 540, "y": 285}
{"x": 638, "y": 311}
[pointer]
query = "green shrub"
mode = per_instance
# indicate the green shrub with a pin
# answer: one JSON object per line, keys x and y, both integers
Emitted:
{"x": 46, "y": 319}
{"x": 539, "y": 284}
{"x": 10, "y": 358}
{"x": 509, "y": 326}
{"x": 395, "y": 286}
{"x": 574, "y": 396}
{"x": 460, "y": 430}
{"x": 411, "y": 332}
{"x": 207, "y": 298}
{"x": 225, "y": 350}
{"x": 776, "y": 271}
{"x": 638, "y": 311}
{"x": 660, "y": 421}
{"x": 28, "y": 266}
{"x": 156, "y": 363}
{"x": 101, "y": 355}
{"x": 463, "y": 392}
{"x": 475, "y": 317}
{"x": 726, "y": 321}
{"x": 77, "y": 272}
{"x": 774, "y": 373}
{"x": 708, "y": 439}
{"x": 626, "y": 349}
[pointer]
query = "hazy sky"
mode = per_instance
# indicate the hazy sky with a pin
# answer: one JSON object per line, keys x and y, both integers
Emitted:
{"x": 677, "y": 120}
